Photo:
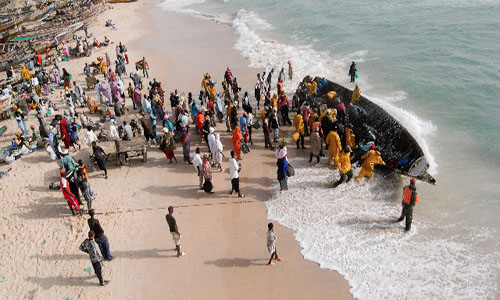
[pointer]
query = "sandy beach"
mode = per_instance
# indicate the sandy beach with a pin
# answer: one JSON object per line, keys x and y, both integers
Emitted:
{"x": 225, "y": 239}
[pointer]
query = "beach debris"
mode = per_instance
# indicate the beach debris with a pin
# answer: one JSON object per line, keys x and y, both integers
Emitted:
{"x": 44, "y": 241}
{"x": 87, "y": 270}
{"x": 5, "y": 173}
{"x": 66, "y": 298}
{"x": 134, "y": 194}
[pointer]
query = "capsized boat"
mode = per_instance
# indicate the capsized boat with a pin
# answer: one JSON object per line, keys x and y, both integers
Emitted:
{"x": 398, "y": 148}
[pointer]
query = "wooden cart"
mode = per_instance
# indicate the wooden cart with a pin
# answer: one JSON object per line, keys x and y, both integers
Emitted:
{"x": 120, "y": 152}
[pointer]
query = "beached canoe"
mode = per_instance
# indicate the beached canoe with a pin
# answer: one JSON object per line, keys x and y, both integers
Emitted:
{"x": 399, "y": 149}
{"x": 121, "y": 1}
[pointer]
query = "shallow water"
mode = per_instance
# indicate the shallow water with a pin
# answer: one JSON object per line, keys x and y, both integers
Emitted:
{"x": 435, "y": 66}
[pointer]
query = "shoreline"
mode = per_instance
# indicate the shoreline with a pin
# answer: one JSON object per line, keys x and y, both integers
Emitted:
{"x": 338, "y": 289}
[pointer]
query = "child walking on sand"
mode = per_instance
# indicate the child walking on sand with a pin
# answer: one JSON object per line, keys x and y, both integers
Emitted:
{"x": 271, "y": 245}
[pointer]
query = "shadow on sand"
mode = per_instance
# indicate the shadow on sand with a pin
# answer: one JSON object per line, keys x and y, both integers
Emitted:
{"x": 237, "y": 262}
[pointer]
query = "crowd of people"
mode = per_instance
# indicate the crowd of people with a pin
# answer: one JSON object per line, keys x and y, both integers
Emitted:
{"x": 325, "y": 122}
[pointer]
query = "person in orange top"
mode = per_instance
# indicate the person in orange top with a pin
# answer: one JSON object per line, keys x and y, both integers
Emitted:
{"x": 410, "y": 197}
{"x": 82, "y": 166}
{"x": 199, "y": 122}
{"x": 236, "y": 141}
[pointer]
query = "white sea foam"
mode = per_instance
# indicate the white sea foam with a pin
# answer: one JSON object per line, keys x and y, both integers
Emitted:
{"x": 180, "y": 5}
{"x": 267, "y": 54}
{"x": 185, "y": 6}
{"x": 419, "y": 129}
{"x": 350, "y": 229}
{"x": 308, "y": 61}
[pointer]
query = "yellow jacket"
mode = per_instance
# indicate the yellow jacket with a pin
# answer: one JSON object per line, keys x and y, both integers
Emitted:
{"x": 204, "y": 84}
{"x": 312, "y": 119}
{"x": 333, "y": 142}
{"x": 25, "y": 73}
{"x": 331, "y": 115}
{"x": 350, "y": 138}
{"x": 344, "y": 162}
{"x": 298, "y": 123}
{"x": 311, "y": 88}
{"x": 355, "y": 94}
{"x": 263, "y": 115}
{"x": 371, "y": 158}
{"x": 274, "y": 101}
{"x": 331, "y": 95}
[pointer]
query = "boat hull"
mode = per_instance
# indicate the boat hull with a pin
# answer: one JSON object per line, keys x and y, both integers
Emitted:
{"x": 398, "y": 148}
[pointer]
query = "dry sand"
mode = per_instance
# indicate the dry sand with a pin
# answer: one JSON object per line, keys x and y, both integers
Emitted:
{"x": 224, "y": 238}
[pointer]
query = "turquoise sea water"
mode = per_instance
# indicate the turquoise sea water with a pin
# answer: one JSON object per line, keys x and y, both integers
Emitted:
{"x": 434, "y": 65}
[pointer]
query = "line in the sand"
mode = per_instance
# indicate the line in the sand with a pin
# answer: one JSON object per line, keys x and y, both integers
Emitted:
{"x": 178, "y": 206}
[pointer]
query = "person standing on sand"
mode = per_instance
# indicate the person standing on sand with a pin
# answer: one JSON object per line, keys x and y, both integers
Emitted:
{"x": 84, "y": 188}
{"x": 174, "y": 230}
{"x": 99, "y": 156}
{"x": 167, "y": 145}
{"x": 282, "y": 170}
{"x": 269, "y": 79}
{"x": 198, "y": 165}
{"x": 271, "y": 245}
{"x": 410, "y": 197}
{"x": 100, "y": 238}
{"x": 88, "y": 246}
{"x": 218, "y": 152}
{"x": 186, "y": 145}
{"x": 315, "y": 145}
{"x": 234, "y": 169}
{"x": 236, "y": 141}
{"x": 207, "y": 175}
{"x": 145, "y": 67}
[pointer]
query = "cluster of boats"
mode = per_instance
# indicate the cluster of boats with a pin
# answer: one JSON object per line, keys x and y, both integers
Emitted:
{"x": 31, "y": 30}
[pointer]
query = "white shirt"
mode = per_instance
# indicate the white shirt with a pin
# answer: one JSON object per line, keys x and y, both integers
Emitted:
{"x": 113, "y": 133}
{"x": 233, "y": 168}
{"x": 212, "y": 143}
{"x": 197, "y": 162}
{"x": 90, "y": 137}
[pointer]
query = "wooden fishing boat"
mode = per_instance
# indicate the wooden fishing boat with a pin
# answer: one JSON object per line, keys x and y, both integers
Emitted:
{"x": 398, "y": 148}
{"x": 121, "y": 1}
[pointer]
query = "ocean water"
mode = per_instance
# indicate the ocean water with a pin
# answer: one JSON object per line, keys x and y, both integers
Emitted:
{"x": 435, "y": 66}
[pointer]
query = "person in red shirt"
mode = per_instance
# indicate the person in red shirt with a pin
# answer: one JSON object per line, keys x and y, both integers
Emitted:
{"x": 68, "y": 195}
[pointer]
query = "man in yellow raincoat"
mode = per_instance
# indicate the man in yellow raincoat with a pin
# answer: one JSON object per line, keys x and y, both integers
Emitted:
{"x": 204, "y": 82}
{"x": 25, "y": 73}
{"x": 102, "y": 66}
{"x": 344, "y": 166}
{"x": 334, "y": 146}
{"x": 371, "y": 159}
{"x": 355, "y": 94}
{"x": 298, "y": 123}
{"x": 350, "y": 137}
{"x": 311, "y": 88}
